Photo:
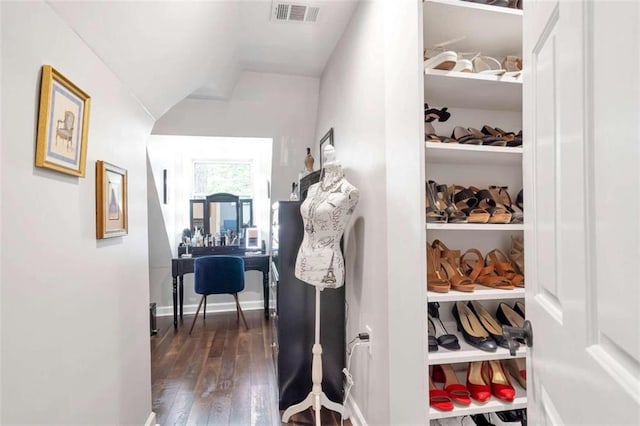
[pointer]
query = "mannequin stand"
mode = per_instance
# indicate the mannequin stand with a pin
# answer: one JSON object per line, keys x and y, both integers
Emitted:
{"x": 316, "y": 399}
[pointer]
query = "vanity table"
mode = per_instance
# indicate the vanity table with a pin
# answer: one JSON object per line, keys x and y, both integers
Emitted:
{"x": 184, "y": 265}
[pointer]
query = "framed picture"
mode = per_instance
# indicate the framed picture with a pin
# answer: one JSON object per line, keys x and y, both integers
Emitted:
{"x": 111, "y": 201}
{"x": 327, "y": 138}
{"x": 63, "y": 124}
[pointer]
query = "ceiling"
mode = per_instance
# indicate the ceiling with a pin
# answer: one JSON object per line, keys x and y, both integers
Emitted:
{"x": 164, "y": 51}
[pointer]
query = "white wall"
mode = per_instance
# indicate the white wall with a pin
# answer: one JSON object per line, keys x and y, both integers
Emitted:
{"x": 370, "y": 93}
{"x": 176, "y": 154}
{"x": 279, "y": 107}
{"x": 74, "y": 310}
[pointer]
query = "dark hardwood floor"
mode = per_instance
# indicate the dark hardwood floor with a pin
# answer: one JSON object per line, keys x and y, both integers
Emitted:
{"x": 220, "y": 375}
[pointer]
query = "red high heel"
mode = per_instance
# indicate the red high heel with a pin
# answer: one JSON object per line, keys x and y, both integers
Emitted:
{"x": 501, "y": 388}
{"x": 439, "y": 399}
{"x": 478, "y": 387}
{"x": 457, "y": 391}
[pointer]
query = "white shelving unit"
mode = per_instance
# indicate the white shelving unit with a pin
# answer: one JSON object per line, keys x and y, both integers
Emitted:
{"x": 474, "y": 100}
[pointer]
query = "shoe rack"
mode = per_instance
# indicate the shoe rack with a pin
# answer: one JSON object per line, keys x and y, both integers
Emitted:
{"x": 473, "y": 101}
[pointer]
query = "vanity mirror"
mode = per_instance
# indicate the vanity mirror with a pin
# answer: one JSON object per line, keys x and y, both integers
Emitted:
{"x": 221, "y": 213}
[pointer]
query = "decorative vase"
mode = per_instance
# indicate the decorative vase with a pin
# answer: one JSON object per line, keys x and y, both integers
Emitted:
{"x": 308, "y": 161}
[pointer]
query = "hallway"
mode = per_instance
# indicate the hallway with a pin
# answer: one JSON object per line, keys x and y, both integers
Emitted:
{"x": 221, "y": 374}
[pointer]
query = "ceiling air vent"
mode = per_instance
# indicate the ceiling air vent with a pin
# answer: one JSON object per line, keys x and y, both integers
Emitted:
{"x": 294, "y": 12}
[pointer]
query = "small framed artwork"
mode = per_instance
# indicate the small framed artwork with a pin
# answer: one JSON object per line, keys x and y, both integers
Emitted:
{"x": 327, "y": 138}
{"x": 111, "y": 201}
{"x": 63, "y": 124}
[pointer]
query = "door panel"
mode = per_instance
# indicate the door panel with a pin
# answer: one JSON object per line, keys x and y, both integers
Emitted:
{"x": 582, "y": 198}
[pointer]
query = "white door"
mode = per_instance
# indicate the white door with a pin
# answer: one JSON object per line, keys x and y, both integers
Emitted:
{"x": 582, "y": 205}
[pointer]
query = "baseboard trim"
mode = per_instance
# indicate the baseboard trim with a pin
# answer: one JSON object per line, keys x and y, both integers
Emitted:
{"x": 355, "y": 415}
{"x": 249, "y": 305}
{"x": 151, "y": 420}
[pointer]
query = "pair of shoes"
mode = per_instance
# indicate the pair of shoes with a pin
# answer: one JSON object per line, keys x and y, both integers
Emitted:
{"x": 495, "y": 270}
{"x": 431, "y": 114}
{"x": 431, "y": 136}
{"x": 449, "y": 263}
{"x": 440, "y": 200}
{"x": 510, "y": 138}
{"x": 503, "y": 200}
{"x": 472, "y": 329}
{"x": 513, "y": 317}
{"x": 446, "y": 339}
{"x": 478, "y": 327}
{"x": 476, "y": 267}
{"x": 486, "y": 378}
{"x": 517, "y": 368}
{"x": 479, "y": 205}
{"x": 455, "y": 390}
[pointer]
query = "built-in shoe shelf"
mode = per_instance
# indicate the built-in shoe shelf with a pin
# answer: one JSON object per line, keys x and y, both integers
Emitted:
{"x": 492, "y": 405}
{"x": 455, "y": 153}
{"x": 475, "y": 226}
{"x": 471, "y": 90}
{"x": 468, "y": 353}
{"x": 480, "y": 293}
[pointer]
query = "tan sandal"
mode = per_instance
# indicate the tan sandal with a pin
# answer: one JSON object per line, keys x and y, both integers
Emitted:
{"x": 504, "y": 267}
{"x": 499, "y": 214}
{"x": 482, "y": 274}
{"x": 435, "y": 280}
{"x": 449, "y": 260}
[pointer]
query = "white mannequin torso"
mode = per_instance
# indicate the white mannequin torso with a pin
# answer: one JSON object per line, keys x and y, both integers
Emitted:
{"x": 325, "y": 212}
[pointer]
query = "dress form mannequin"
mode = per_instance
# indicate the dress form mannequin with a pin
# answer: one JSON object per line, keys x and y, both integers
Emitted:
{"x": 325, "y": 212}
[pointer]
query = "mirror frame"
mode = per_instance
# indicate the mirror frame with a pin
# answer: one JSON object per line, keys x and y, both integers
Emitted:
{"x": 243, "y": 202}
{"x": 221, "y": 197}
{"x": 191, "y": 204}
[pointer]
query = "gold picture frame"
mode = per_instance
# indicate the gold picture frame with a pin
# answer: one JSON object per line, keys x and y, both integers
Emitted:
{"x": 63, "y": 124}
{"x": 111, "y": 201}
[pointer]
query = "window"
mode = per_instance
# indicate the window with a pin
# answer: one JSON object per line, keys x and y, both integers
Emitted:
{"x": 222, "y": 176}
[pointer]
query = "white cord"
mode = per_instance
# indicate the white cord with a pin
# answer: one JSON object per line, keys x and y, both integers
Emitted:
{"x": 349, "y": 377}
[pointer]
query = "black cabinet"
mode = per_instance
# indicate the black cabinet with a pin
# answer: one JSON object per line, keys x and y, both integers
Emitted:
{"x": 296, "y": 316}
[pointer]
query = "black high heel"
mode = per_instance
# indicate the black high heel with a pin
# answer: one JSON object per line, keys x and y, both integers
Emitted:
{"x": 493, "y": 327}
{"x": 471, "y": 328}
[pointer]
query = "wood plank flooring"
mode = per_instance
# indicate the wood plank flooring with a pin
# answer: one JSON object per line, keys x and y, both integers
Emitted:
{"x": 220, "y": 375}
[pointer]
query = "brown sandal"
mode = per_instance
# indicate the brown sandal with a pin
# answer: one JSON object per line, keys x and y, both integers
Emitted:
{"x": 482, "y": 274}
{"x": 499, "y": 214}
{"x": 449, "y": 260}
{"x": 435, "y": 281}
{"x": 504, "y": 267}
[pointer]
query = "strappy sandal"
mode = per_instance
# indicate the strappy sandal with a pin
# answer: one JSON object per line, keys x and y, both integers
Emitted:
{"x": 433, "y": 343}
{"x": 436, "y": 282}
{"x": 480, "y": 273}
{"x": 450, "y": 264}
{"x": 431, "y": 114}
{"x": 510, "y": 138}
{"x": 504, "y": 267}
{"x": 440, "y": 59}
{"x": 466, "y": 201}
{"x": 463, "y": 136}
{"x": 446, "y": 340}
{"x": 520, "y": 200}
{"x": 499, "y": 214}
{"x": 487, "y": 139}
{"x": 502, "y": 197}
{"x": 456, "y": 390}
{"x": 434, "y": 213}
{"x": 443, "y": 197}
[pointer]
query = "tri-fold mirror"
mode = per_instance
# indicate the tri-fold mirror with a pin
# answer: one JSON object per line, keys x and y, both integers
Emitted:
{"x": 221, "y": 213}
